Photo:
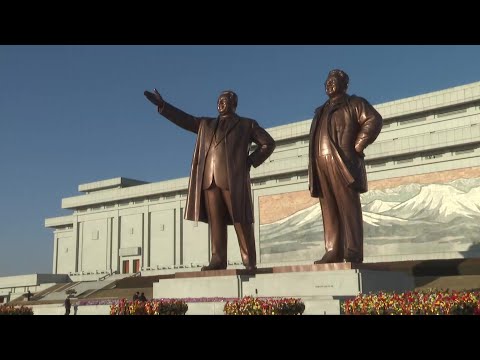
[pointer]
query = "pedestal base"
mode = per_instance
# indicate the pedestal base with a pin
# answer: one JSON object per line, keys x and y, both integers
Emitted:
{"x": 320, "y": 286}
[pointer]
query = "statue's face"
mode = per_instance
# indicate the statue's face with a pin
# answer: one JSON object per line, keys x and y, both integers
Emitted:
{"x": 225, "y": 105}
{"x": 334, "y": 86}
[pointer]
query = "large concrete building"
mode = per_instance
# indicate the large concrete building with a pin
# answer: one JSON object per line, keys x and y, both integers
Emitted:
{"x": 423, "y": 200}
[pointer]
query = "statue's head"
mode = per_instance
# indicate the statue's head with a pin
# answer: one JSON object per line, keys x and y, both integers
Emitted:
{"x": 337, "y": 83}
{"x": 227, "y": 102}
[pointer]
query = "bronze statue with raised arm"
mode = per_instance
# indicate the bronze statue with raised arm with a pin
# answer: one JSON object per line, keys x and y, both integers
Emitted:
{"x": 341, "y": 129}
{"x": 219, "y": 191}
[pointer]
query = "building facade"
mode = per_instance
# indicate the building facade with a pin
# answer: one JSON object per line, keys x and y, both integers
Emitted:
{"x": 423, "y": 200}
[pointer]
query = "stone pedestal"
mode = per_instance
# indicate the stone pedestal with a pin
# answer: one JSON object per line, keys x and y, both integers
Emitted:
{"x": 320, "y": 286}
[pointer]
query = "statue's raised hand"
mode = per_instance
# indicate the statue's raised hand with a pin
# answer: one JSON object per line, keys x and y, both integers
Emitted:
{"x": 154, "y": 97}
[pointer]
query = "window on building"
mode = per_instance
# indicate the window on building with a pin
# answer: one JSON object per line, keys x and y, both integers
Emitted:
{"x": 301, "y": 175}
{"x": 284, "y": 179}
{"x": 414, "y": 120}
{"x": 258, "y": 183}
{"x": 403, "y": 161}
{"x": 378, "y": 164}
{"x": 451, "y": 112}
{"x": 432, "y": 156}
{"x": 464, "y": 151}
{"x": 125, "y": 267}
{"x": 136, "y": 265}
{"x": 284, "y": 145}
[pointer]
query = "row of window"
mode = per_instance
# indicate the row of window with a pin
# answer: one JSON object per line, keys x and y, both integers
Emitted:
{"x": 425, "y": 156}
{"x": 375, "y": 164}
{"x": 132, "y": 202}
{"x": 282, "y": 179}
{"x": 419, "y": 118}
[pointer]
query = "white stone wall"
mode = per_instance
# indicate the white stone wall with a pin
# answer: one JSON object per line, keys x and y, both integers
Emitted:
{"x": 66, "y": 254}
{"x": 131, "y": 230}
{"x": 195, "y": 242}
{"x": 162, "y": 237}
{"x": 94, "y": 245}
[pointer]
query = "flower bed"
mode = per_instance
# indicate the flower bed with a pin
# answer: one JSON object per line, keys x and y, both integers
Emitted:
{"x": 427, "y": 302}
{"x": 233, "y": 306}
{"x": 15, "y": 310}
{"x": 266, "y": 306}
{"x": 152, "y": 307}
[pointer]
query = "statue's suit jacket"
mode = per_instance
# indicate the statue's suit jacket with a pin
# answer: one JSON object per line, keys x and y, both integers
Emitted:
{"x": 240, "y": 133}
{"x": 359, "y": 124}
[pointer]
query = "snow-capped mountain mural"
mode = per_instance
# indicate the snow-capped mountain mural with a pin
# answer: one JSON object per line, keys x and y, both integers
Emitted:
{"x": 379, "y": 206}
{"x": 397, "y": 194}
{"x": 439, "y": 203}
{"x": 413, "y": 218}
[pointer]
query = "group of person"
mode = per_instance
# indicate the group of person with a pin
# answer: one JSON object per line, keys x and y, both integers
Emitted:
{"x": 68, "y": 306}
{"x": 139, "y": 297}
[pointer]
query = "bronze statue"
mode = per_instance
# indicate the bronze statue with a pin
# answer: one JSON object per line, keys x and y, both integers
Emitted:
{"x": 219, "y": 191}
{"x": 341, "y": 129}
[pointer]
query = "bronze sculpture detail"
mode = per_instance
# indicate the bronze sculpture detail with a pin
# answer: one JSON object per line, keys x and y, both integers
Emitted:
{"x": 341, "y": 129}
{"x": 219, "y": 190}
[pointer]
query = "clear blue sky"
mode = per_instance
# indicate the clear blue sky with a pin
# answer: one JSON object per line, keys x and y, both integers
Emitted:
{"x": 75, "y": 114}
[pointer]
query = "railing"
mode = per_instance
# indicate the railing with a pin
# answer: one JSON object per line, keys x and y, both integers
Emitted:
{"x": 107, "y": 275}
{"x": 104, "y": 273}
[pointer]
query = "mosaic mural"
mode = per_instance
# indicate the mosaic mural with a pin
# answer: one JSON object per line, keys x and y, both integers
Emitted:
{"x": 412, "y": 218}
